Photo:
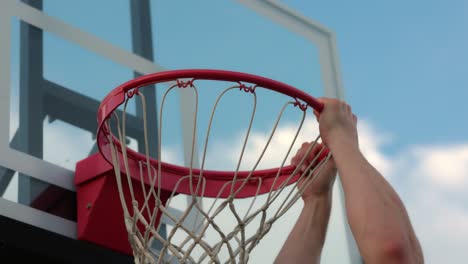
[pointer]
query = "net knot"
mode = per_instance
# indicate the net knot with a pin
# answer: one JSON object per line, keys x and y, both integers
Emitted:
{"x": 182, "y": 84}
{"x": 247, "y": 89}
{"x": 132, "y": 92}
{"x": 302, "y": 106}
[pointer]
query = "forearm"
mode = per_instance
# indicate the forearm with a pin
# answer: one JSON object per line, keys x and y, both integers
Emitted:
{"x": 305, "y": 242}
{"x": 377, "y": 217}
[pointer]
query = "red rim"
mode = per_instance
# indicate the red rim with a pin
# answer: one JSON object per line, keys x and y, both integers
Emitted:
{"x": 117, "y": 97}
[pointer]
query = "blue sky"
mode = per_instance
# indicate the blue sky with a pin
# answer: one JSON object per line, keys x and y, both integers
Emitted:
{"x": 403, "y": 67}
{"x": 404, "y": 64}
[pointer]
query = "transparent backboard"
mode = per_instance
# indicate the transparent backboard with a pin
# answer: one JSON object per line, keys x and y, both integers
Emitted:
{"x": 58, "y": 64}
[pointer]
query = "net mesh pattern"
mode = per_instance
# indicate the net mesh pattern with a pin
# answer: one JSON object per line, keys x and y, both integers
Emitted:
{"x": 222, "y": 228}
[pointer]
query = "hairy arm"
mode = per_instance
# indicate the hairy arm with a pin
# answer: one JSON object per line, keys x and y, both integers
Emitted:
{"x": 377, "y": 217}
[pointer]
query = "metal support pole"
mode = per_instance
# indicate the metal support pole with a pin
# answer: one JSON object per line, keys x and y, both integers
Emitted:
{"x": 31, "y": 114}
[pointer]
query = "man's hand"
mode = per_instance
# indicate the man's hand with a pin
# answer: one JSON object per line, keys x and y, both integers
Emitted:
{"x": 323, "y": 184}
{"x": 337, "y": 124}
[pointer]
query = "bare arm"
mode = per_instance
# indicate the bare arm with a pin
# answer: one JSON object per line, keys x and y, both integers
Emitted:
{"x": 377, "y": 217}
{"x": 305, "y": 242}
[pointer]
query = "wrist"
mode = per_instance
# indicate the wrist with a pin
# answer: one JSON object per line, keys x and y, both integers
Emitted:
{"x": 323, "y": 197}
{"x": 340, "y": 140}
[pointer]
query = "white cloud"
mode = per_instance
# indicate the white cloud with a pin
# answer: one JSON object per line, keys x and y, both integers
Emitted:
{"x": 445, "y": 165}
{"x": 371, "y": 142}
{"x": 274, "y": 154}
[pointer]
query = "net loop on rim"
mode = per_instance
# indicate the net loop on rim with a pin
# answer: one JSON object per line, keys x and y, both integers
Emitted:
{"x": 246, "y": 88}
{"x": 227, "y": 213}
{"x": 302, "y": 106}
{"x": 132, "y": 92}
{"x": 184, "y": 84}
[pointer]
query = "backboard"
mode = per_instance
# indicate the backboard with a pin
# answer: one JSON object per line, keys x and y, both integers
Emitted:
{"x": 59, "y": 60}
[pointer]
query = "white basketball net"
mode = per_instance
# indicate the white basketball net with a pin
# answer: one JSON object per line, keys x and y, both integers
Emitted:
{"x": 209, "y": 230}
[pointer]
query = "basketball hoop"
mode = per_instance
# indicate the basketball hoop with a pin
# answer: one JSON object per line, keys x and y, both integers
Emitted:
{"x": 159, "y": 182}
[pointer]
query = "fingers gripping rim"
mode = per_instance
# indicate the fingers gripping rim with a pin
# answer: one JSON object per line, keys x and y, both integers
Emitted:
{"x": 118, "y": 96}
